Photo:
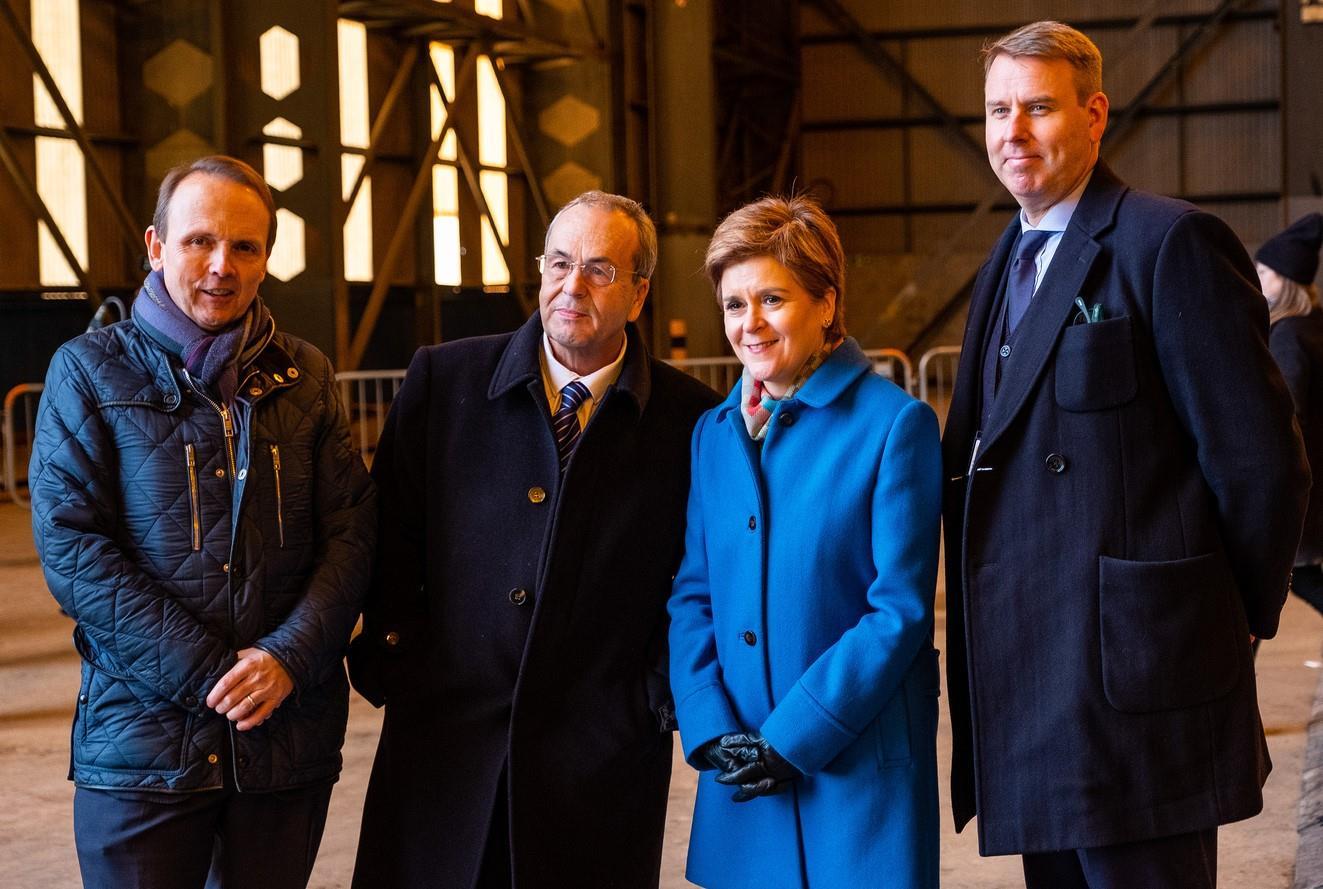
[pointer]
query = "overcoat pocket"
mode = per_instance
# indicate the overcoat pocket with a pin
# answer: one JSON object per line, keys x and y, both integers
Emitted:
{"x": 1170, "y": 633}
{"x": 1095, "y": 366}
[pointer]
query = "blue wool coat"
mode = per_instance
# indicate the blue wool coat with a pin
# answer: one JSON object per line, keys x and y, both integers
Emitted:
{"x": 804, "y": 609}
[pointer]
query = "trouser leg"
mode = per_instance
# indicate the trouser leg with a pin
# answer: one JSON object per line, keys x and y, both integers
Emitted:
{"x": 1184, "y": 861}
{"x": 1053, "y": 870}
{"x": 1307, "y": 581}
{"x": 145, "y": 839}
{"x": 269, "y": 840}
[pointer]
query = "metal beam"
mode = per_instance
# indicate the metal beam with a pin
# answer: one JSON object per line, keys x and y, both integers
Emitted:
{"x": 877, "y": 54}
{"x": 454, "y": 23}
{"x": 423, "y": 177}
{"x": 1194, "y": 41}
{"x": 26, "y": 188}
{"x": 516, "y": 133}
{"x": 132, "y": 234}
{"x": 392, "y": 96}
{"x": 465, "y": 158}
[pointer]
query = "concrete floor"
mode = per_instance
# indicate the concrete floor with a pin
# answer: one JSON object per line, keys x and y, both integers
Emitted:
{"x": 39, "y": 676}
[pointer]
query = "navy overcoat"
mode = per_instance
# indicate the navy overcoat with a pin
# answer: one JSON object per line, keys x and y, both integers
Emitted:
{"x": 804, "y": 610}
{"x": 1129, "y": 520}
{"x": 520, "y": 616}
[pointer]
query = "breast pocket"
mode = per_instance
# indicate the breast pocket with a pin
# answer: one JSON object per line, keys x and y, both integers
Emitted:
{"x": 1095, "y": 366}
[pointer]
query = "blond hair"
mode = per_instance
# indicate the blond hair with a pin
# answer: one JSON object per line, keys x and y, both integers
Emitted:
{"x": 1052, "y": 40}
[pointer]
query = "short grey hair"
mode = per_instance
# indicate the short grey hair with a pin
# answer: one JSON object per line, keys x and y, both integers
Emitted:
{"x": 645, "y": 261}
{"x": 1052, "y": 40}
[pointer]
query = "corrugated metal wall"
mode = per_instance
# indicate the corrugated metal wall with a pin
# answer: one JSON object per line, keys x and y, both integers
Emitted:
{"x": 897, "y": 182}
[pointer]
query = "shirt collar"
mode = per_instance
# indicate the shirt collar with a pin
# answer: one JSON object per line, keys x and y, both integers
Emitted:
{"x": 556, "y": 376}
{"x": 1058, "y": 215}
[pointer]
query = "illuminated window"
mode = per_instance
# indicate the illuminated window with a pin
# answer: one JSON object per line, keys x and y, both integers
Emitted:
{"x": 61, "y": 170}
{"x": 282, "y": 165}
{"x": 490, "y": 8}
{"x": 355, "y": 132}
{"x": 445, "y": 177}
{"x": 494, "y": 183}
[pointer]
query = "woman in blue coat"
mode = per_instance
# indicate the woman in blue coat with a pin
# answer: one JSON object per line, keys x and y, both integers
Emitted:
{"x": 802, "y": 662}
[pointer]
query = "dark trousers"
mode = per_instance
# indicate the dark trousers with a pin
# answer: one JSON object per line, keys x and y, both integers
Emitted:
{"x": 214, "y": 838}
{"x": 1184, "y": 861}
{"x": 1307, "y": 581}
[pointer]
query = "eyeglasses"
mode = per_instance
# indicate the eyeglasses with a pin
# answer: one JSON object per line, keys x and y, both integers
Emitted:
{"x": 557, "y": 268}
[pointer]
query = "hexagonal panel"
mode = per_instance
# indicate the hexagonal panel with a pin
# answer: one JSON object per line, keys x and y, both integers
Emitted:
{"x": 179, "y": 147}
{"x": 282, "y": 164}
{"x": 568, "y": 181}
{"x": 279, "y": 53}
{"x": 289, "y": 257}
{"x": 181, "y": 72}
{"x": 569, "y": 120}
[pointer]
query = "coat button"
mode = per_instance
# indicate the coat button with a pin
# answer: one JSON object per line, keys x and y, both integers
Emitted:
{"x": 278, "y": 378}
{"x": 292, "y": 373}
{"x": 190, "y": 701}
{"x": 536, "y": 494}
{"x": 213, "y": 758}
{"x": 392, "y": 638}
{"x": 225, "y": 568}
{"x": 220, "y": 473}
{"x": 787, "y": 419}
{"x": 753, "y": 523}
{"x": 1004, "y": 351}
{"x": 82, "y": 699}
{"x": 518, "y": 596}
{"x": 1056, "y": 463}
{"x": 749, "y": 637}
{"x": 255, "y": 391}
{"x": 171, "y": 400}
{"x": 242, "y": 761}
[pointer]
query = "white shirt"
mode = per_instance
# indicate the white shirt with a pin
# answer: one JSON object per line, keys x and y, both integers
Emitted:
{"x": 1054, "y": 220}
{"x": 556, "y": 376}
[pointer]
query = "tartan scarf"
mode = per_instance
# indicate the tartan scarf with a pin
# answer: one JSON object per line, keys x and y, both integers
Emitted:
{"x": 213, "y": 358}
{"x": 757, "y": 402}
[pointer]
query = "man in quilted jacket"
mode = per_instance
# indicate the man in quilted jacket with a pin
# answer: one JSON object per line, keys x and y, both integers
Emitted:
{"x": 201, "y": 514}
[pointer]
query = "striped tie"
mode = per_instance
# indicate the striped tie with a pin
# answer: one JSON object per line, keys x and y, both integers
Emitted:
{"x": 566, "y": 421}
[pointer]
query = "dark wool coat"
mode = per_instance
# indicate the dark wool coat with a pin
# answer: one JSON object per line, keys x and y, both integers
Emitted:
{"x": 1130, "y": 518}
{"x": 169, "y": 570}
{"x": 519, "y": 616}
{"x": 1297, "y": 347}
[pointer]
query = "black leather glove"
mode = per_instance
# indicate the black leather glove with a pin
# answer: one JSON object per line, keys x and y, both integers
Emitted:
{"x": 712, "y": 756}
{"x": 761, "y": 771}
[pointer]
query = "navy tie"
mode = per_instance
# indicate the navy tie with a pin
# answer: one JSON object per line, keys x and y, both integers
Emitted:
{"x": 566, "y": 421}
{"x": 1020, "y": 284}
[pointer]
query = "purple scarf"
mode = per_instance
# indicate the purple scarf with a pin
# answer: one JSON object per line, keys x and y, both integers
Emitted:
{"x": 213, "y": 358}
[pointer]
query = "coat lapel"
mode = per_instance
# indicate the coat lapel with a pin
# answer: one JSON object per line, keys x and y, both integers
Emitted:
{"x": 1054, "y": 303}
{"x": 962, "y": 419}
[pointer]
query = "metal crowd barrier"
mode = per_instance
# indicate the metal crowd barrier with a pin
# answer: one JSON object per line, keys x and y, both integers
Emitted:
{"x": 366, "y": 395}
{"x": 937, "y": 373}
{"x": 20, "y": 400}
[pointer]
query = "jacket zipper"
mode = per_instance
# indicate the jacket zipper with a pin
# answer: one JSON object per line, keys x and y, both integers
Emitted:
{"x": 280, "y": 502}
{"x": 227, "y": 426}
{"x": 191, "y": 457}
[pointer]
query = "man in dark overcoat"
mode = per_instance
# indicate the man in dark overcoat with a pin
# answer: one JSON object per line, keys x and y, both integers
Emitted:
{"x": 1126, "y": 489}
{"x": 533, "y": 495}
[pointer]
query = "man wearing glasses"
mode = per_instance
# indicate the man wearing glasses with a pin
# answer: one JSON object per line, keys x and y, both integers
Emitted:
{"x": 533, "y": 490}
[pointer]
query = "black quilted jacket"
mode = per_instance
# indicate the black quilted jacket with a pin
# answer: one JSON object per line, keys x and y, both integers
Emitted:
{"x": 174, "y": 545}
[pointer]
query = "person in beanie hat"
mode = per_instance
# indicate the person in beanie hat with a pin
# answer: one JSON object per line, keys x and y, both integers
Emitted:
{"x": 1287, "y": 264}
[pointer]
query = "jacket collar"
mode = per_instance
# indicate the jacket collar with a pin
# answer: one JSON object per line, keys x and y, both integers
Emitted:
{"x": 846, "y": 364}
{"x": 519, "y": 364}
